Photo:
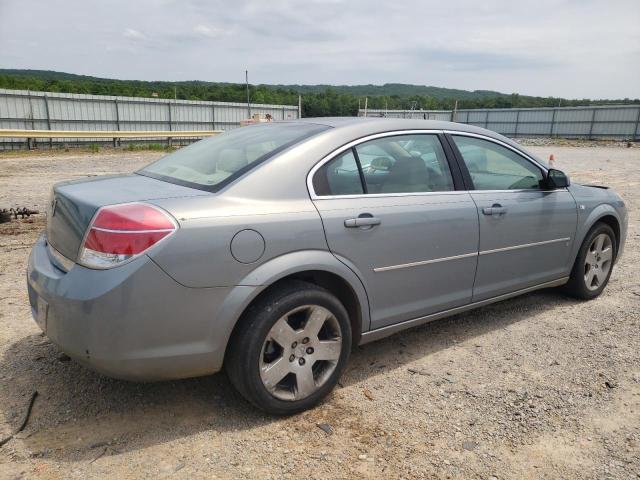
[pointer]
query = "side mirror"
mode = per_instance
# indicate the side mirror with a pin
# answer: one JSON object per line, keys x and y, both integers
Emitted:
{"x": 556, "y": 179}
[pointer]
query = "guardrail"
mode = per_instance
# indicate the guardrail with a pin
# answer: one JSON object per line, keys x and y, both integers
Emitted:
{"x": 6, "y": 133}
{"x": 114, "y": 135}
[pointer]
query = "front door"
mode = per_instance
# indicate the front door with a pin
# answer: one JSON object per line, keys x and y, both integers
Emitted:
{"x": 391, "y": 212}
{"x": 526, "y": 233}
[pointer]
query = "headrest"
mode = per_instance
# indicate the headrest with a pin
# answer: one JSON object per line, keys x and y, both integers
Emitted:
{"x": 231, "y": 160}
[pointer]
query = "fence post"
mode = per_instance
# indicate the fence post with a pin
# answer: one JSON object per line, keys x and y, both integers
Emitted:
{"x": 635, "y": 132}
{"x": 553, "y": 121}
{"x": 46, "y": 110}
{"x": 116, "y": 141}
{"x": 170, "y": 124}
{"x": 593, "y": 117}
{"x": 213, "y": 117}
{"x": 30, "y": 141}
{"x": 486, "y": 119}
{"x": 515, "y": 132}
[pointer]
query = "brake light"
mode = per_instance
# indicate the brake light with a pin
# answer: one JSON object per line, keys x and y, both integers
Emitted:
{"x": 119, "y": 233}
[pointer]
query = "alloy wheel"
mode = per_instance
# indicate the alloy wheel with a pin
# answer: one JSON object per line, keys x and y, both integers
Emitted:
{"x": 300, "y": 352}
{"x": 598, "y": 261}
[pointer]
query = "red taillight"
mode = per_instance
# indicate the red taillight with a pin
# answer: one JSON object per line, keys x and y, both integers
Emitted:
{"x": 133, "y": 217}
{"x": 123, "y": 243}
{"x": 120, "y": 232}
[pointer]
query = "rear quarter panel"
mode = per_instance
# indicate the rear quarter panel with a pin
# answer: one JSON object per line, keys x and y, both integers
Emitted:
{"x": 199, "y": 253}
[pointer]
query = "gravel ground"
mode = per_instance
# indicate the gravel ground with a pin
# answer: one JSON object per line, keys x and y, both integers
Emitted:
{"x": 540, "y": 386}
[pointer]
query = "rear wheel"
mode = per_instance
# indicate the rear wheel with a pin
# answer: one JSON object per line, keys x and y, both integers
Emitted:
{"x": 290, "y": 349}
{"x": 591, "y": 272}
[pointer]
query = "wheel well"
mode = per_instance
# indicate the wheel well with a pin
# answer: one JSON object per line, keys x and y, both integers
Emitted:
{"x": 329, "y": 281}
{"x": 615, "y": 226}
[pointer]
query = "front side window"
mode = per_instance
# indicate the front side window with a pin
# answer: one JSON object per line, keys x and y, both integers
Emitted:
{"x": 212, "y": 163}
{"x": 494, "y": 167}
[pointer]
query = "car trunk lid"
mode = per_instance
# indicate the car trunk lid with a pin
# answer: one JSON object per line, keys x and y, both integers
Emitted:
{"x": 73, "y": 204}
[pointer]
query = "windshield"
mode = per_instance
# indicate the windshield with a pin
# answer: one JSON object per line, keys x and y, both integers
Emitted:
{"x": 214, "y": 162}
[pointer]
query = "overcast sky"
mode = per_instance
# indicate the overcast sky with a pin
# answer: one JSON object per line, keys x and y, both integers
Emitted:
{"x": 571, "y": 48}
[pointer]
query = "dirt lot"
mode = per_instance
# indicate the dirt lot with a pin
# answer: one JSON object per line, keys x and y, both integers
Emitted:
{"x": 540, "y": 386}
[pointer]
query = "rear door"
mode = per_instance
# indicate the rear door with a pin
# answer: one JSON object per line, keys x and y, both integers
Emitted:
{"x": 526, "y": 232}
{"x": 391, "y": 211}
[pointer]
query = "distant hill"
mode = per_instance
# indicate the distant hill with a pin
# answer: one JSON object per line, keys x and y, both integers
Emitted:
{"x": 318, "y": 100}
{"x": 388, "y": 89}
{"x": 395, "y": 89}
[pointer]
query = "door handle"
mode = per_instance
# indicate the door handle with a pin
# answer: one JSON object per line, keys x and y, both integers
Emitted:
{"x": 364, "y": 220}
{"x": 496, "y": 209}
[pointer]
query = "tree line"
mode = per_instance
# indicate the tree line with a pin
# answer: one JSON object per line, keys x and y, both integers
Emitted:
{"x": 317, "y": 101}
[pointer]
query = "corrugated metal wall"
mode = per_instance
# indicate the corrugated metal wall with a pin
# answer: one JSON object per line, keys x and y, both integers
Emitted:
{"x": 21, "y": 109}
{"x": 608, "y": 122}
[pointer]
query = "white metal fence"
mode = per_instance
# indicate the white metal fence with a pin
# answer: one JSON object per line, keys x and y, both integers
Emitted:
{"x": 21, "y": 109}
{"x": 25, "y": 110}
{"x": 607, "y": 122}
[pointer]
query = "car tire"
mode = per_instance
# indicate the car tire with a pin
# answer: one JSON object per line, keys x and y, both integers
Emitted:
{"x": 276, "y": 337}
{"x": 594, "y": 263}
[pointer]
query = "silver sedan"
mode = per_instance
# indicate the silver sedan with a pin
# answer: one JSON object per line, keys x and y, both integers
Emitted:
{"x": 271, "y": 250}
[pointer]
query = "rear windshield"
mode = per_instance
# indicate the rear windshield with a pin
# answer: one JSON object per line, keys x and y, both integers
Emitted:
{"x": 212, "y": 163}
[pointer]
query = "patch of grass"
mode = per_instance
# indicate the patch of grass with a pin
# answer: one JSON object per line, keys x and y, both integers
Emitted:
{"x": 94, "y": 148}
{"x": 157, "y": 147}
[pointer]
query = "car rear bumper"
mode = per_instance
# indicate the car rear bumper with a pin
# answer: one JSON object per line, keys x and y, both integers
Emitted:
{"x": 132, "y": 322}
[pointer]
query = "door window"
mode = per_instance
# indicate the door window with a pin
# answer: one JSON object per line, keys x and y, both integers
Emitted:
{"x": 405, "y": 164}
{"x": 494, "y": 167}
{"x": 339, "y": 176}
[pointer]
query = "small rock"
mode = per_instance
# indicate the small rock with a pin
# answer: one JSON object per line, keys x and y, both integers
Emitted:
{"x": 63, "y": 357}
{"x": 326, "y": 428}
{"x": 368, "y": 394}
{"x": 469, "y": 445}
{"x": 418, "y": 371}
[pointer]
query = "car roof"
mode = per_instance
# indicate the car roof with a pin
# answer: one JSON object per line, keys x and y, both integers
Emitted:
{"x": 371, "y": 125}
{"x": 355, "y": 127}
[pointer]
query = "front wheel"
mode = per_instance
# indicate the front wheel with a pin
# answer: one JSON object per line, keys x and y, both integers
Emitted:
{"x": 290, "y": 349}
{"x": 591, "y": 272}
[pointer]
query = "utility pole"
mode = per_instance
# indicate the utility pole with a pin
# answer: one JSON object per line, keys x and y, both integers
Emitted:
{"x": 246, "y": 79}
{"x": 299, "y": 106}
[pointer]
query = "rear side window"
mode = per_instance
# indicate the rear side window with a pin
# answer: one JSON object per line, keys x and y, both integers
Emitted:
{"x": 494, "y": 167}
{"x": 213, "y": 163}
{"x": 394, "y": 164}
{"x": 339, "y": 176}
{"x": 405, "y": 164}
